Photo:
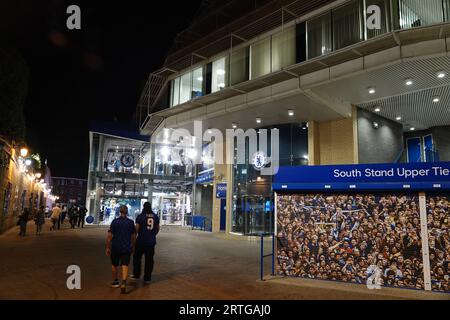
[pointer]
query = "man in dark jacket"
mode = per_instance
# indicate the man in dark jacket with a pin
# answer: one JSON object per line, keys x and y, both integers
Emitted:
{"x": 147, "y": 227}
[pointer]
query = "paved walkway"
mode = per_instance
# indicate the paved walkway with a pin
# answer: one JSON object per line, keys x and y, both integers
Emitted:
{"x": 189, "y": 265}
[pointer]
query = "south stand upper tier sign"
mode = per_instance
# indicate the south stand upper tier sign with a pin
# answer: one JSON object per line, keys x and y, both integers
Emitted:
{"x": 127, "y": 160}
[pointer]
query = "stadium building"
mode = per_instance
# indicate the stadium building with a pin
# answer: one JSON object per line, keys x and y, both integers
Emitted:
{"x": 359, "y": 94}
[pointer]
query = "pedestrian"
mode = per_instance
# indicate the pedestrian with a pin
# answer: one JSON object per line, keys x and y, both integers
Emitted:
{"x": 63, "y": 214}
{"x": 73, "y": 216}
{"x": 81, "y": 216}
{"x": 39, "y": 220}
{"x": 56, "y": 212}
{"x": 23, "y": 220}
{"x": 147, "y": 227}
{"x": 119, "y": 247}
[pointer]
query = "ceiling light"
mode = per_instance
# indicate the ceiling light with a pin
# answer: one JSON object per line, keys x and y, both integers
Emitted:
{"x": 371, "y": 90}
{"x": 258, "y": 120}
{"x": 412, "y": 129}
{"x": 377, "y": 109}
{"x": 376, "y": 125}
{"x": 441, "y": 75}
{"x": 291, "y": 113}
{"x": 234, "y": 125}
{"x": 436, "y": 99}
{"x": 398, "y": 118}
{"x": 409, "y": 82}
{"x": 209, "y": 131}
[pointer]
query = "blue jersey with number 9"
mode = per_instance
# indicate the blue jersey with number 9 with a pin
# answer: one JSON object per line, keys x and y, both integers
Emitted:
{"x": 148, "y": 229}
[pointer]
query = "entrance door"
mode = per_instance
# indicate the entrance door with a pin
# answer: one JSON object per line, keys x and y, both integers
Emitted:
{"x": 223, "y": 214}
{"x": 414, "y": 146}
{"x": 258, "y": 218}
{"x": 428, "y": 146}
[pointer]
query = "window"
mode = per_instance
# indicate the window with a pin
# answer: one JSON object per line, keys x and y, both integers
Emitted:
{"x": 416, "y": 13}
{"x": 175, "y": 92}
{"x": 219, "y": 75}
{"x": 447, "y": 10}
{"x": 260, "y": 58}
{"x": 185, "y": 87}
{"x": 239, "y": 66}
{"x": 197, "y": 83}
{"x": 319, "y": 36}
{"x": 385, "y": 7}
{"x": 283, "y": 49}
{"x": 347, "y": 25}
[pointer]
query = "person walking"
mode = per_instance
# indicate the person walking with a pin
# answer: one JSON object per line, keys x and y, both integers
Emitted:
{"x": 63, "y": 214}
{"x": 23, "y": 220}
{"x": 39, "y": 220}
{"x": 147, "y": 227}
{"x": 119, "y": 247}
{"x": 56, "y": 212}
{"x": 81, "y": 216}
{"x": 73, "y": 216}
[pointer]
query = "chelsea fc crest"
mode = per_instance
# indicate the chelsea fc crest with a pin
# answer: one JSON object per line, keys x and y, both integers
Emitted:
{"x": 259, "y": 160}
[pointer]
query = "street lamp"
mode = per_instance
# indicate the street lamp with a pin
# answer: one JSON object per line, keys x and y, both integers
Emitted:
{"x": 23, "y": 152}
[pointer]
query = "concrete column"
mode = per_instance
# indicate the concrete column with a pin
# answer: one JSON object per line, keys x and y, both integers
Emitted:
{"x": 313, "y": 143}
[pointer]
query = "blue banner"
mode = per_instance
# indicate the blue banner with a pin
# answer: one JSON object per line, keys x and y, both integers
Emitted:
{"x": 205, "y": 178}
{"x": 414, "y": 176}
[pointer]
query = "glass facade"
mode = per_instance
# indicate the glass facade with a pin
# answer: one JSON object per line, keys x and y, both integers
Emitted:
{"x": 347, "y": 25}
{"x": 253, "y": 200}
{"x": 319, "y": 36}
{"x": 239, "y": 66}
{"x": 336, "y": 29}
{"x": 219, "y": 74}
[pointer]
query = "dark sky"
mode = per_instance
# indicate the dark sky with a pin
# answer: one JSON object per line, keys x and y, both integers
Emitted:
{"x": 93, "y": 74}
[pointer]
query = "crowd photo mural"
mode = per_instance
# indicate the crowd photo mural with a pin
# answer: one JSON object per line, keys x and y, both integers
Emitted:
{"x": 349, "y": 237}
{"x": 438, "y": 221}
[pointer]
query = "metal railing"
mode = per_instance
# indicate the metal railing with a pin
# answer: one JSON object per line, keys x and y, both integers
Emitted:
{"x": 263, "y": 256}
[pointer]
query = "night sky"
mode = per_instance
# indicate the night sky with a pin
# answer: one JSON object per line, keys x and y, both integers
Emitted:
{"x": 94, "y": 74}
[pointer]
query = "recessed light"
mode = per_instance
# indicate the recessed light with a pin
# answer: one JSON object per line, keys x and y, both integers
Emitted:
{"x": 398, "y": 118}
{"x": 409, "y": 82}
{"x": 377, "y": 109}
{"x": 234, "y": 125}
{"x": 371, "y": 90}
{"x": 258, "y": 120}
{"x": 291, "y": 113}
{"x": 436, "y": 99}
{"x": 412, "y": 129}
{"x": 376, "y": 125}
{"x": 441, "y": 75}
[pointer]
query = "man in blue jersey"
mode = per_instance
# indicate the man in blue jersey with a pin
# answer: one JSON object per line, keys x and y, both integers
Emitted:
{"x": 119, "y": 246}
{"x": 147, "y": 227}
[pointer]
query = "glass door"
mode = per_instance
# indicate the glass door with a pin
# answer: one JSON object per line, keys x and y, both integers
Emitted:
{"x": 258, "y": 215}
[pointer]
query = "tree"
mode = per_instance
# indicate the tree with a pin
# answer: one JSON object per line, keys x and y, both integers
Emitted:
{"x": 13, "y": 92}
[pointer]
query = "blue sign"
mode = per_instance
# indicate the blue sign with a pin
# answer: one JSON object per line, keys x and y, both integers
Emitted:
{"x": 206, "y": 177}
{"x": 221, "y": 190}
{"x": 90, "y": 220}
{"x": 413, "y": 176}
